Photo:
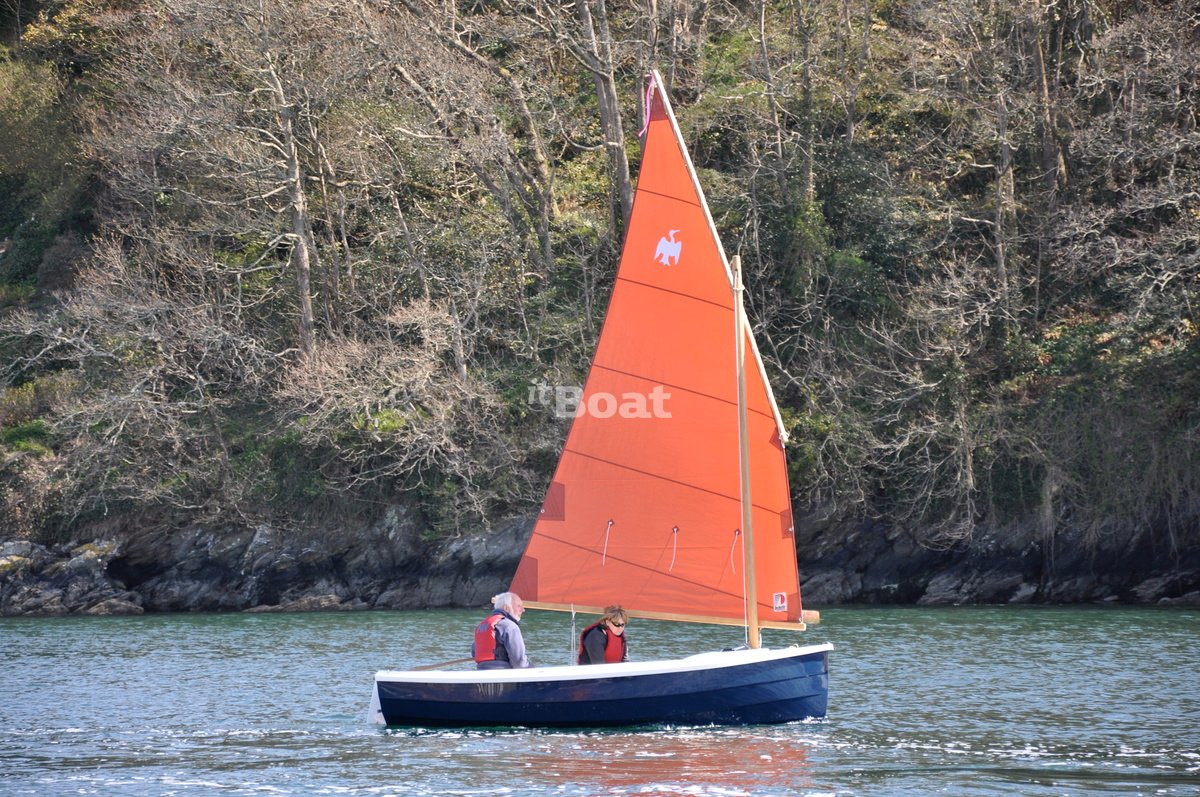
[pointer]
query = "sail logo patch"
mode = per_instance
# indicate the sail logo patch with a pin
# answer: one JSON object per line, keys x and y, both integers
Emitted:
{"x": 668, "y": 249}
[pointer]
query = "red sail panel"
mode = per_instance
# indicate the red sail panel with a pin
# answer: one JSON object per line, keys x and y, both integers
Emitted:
{"x": 644, "y": 509}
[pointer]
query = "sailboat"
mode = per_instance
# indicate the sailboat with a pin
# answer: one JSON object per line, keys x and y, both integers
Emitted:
{"x": 670, "y": 498}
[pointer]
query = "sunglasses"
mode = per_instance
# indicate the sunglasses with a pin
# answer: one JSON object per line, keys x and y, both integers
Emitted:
{"x": 617, "y": 625}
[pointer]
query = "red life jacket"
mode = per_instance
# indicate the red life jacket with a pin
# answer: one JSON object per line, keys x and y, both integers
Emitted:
{"x": 485, "y": 639}
{"x": 612, "y": 653}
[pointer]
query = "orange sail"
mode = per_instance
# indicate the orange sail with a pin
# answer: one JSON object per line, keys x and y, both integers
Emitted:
{"x": 644, "y": 509}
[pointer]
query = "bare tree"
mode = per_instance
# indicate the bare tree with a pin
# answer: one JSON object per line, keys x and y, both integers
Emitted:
{"x": 393, "y": 414}
{"x": 854, "y": 60}
{"x": 266, "y": 202}
{"x": 234, "y": 167}
{"x": 154, "y": 372}
{"x": 588, "y": 39}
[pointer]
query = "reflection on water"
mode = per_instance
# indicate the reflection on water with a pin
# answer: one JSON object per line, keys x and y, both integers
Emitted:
{"x": 967, "y": 701}
{"x": 695, "y": 761}
{"x": 731, "y": 760}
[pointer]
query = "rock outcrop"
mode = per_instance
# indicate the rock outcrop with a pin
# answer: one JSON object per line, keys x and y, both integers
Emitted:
{"x": 382, "y": 565}
{"x": 390, "y": 563}
{"x": 64, "y": 580}
{"x": 875, "y": 563}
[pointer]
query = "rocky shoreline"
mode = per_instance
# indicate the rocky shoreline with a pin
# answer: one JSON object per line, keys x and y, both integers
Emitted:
{"x": 385, "y": 565}
{"x": 390, "y": 565}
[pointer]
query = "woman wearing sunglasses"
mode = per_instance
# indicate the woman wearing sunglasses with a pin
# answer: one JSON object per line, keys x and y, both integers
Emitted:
{"x": 603, "y": 642}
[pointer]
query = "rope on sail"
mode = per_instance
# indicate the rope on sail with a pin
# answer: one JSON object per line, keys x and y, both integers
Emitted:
{"x": 604, "y": 553}
{"x": 737, "y": 535}
{"x": 571, "y": 642}
{"x": 674, "y": 547}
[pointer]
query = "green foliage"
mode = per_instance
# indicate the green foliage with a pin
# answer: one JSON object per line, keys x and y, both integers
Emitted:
{"x": 33, "y": 437}
{"x": 808, "y": 433}
{"x": 850, "y": 285}
{"x": 12, "y": 210}
{"x": 1013, "y": 484}
{"x": 863, "y": 211}
{"x": 36, "y": 398}
{"x": 30, "y": 241}
{"x": 66, "y": 35}
{"x": 42, "y": 181}
{"x": 15, "y": 294}
{"x": 1074, "y": 347}
{"x": 440, "y": 498}
{"x": 515, "y": 387}
{"x": 387, "y": 420}
{"x": 807, "y": 243}
{"x": 277, "y": 468}
{"x": 581, "y": 187}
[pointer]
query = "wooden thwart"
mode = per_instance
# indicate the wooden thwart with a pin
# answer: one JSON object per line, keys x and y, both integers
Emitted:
{"x": 439, "y": 665}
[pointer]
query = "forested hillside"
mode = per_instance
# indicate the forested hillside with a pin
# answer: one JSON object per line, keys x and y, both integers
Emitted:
{"x": 297, "y": 261}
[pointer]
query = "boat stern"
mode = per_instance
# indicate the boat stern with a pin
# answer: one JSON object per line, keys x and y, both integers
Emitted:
{"x": 375, "y": 711}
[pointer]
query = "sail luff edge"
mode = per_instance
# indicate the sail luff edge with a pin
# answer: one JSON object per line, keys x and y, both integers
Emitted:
{"x": 712, "y": 228}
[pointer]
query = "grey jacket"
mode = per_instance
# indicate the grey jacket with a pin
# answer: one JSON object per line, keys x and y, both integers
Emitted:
{"x": 510, "y": 645}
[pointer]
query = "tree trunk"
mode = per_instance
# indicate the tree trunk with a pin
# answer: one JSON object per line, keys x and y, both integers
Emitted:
{"x": 302, "y": 247}
{"x": 852, "y": 73}
{"x": 1005, "y": 202}
{"x": 600, "y": 44}
{"x": 1054, "y": 166}
{"x": 807, "y": 25}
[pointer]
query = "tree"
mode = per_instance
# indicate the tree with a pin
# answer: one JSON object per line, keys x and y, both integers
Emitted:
{"x": 272, "y": 198}
{"x": 220, "y": 124}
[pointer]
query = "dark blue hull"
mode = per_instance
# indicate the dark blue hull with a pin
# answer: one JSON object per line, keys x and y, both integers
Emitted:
{"x": 777, "y": 689}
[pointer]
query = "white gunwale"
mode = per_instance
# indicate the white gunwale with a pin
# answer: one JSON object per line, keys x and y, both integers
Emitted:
{"x": 573, "y": 672}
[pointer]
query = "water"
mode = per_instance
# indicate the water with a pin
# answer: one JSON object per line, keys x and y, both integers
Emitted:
{"x": 959, "y": 701}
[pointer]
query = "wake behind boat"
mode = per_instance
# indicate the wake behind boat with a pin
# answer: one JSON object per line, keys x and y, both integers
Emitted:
{"x": 670, "y": 498}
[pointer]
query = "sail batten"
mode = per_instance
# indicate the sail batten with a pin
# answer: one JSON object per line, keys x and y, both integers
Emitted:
{"x": 655, "y": 439}
{"x": 673, "y": 198}
{"x": 758, "y": 410}
{"x": 628, "y": 281}
{"x": 678, "y": 579}
{"x": 728, "y": 495}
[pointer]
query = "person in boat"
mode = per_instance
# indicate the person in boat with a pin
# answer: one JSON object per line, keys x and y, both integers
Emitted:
{"x": 498, "y": 641}
{"x": 603, "y": 642}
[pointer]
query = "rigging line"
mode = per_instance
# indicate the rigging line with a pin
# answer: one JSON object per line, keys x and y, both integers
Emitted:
{"x": 737, "y": 533}
{"x": 674, "y": 547}
{"x": 655, "y": 568}
{"x": 571, "y": 644}
{"x": 604, "y": 553}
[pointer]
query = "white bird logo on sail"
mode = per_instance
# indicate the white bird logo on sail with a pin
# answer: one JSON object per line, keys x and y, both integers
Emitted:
{"x": 667, "y": 252}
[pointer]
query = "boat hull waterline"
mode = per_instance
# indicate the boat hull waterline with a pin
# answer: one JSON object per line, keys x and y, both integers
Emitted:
{"x": 736, "y": 687}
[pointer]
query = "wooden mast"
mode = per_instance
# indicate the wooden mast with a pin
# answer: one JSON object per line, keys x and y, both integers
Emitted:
{"x": 753, "y": 632}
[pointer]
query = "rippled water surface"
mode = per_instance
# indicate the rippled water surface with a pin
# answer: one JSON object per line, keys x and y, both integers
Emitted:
{"x": 960, "y": 701}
